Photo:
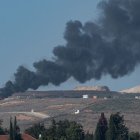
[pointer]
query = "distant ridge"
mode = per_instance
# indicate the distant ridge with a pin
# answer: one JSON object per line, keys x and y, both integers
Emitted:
{"x": 135, "y": 89}
{"x": 94, "y": 88}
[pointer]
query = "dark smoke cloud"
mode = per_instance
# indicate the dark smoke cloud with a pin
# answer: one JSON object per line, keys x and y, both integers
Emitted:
{"x": 111, "y": 46}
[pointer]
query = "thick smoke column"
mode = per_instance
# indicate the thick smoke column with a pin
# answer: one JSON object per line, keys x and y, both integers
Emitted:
{"x": 111, "y": 46}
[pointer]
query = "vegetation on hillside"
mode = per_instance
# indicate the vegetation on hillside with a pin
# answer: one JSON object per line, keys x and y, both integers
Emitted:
{"x": 112, "y": 129}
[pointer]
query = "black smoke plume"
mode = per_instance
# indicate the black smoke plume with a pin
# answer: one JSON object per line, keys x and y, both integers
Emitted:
{"x": 110, "y": 46}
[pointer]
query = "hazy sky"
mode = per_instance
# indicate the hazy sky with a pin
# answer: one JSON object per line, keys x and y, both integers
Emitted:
{"x": 30, "y": 29}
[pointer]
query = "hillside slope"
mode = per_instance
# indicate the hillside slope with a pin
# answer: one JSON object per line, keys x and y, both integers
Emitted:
{"x": 132, "y": 90}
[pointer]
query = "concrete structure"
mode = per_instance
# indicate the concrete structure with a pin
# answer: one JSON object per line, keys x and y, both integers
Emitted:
{"x": 137, "y": 97}
{"x": 105, "y": 98}
{"x": 40, "y": 136}
{"x": 94, "y": 97}
{"x": 85, "y": 96}
{"x": 77, "y": 112}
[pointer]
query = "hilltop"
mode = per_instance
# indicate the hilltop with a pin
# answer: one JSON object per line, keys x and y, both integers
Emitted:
{"x": 135, "y": 89}
{"x": 94, "y": 88}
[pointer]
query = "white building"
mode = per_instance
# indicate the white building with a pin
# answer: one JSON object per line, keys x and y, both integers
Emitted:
{"x": 105, "y": 98}
{"x": 85, "y": 96}
{"x": 137, "y": 97}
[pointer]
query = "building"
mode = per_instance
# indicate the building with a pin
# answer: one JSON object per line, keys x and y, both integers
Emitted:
{"x": 85, "y": 96}
{"x": 24, "y": 136}
{"x": 94, "y": 97}
{"x": 137, "y": 97}
{"x": 105, "y": 98}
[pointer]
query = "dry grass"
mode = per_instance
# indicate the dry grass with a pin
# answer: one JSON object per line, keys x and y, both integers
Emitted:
{"x": 63, "y": 108}
{"x": 22, "y": 117}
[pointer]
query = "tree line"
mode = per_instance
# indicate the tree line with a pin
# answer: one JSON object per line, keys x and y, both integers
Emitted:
{"x": 13, "y": 131}
{"x": 112, "y": 129}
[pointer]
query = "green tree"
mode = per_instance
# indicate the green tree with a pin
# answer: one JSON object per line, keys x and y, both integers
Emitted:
{"x": 65, "y": 130}
{"x": 14, "y": 133}
{"x": 14, "y": 128}
{"x": 134, "y": 136}
{"x": 61, "y": 130}
{"x": 11, "y": 130}
{"x": 2, "y": 131}
{"x": 75, "y": 132}
{"x": 36, "y": 130}
{"x": 101, "y": 128}
{"x": 88, "y": 136}
{"x": 117, "y": 129}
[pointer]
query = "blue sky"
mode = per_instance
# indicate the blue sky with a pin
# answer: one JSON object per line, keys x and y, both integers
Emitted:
{"x": 30, "y": 29}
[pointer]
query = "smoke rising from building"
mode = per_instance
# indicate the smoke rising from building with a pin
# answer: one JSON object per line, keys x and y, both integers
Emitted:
{"x": 110, "y": 46}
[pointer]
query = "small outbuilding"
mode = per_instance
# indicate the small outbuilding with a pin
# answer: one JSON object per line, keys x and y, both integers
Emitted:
{"x": 85, "y": 96}
{"x": 94, "y": 97}
{"x": 137, "y": 97}
{"x": 105, "y": 98}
